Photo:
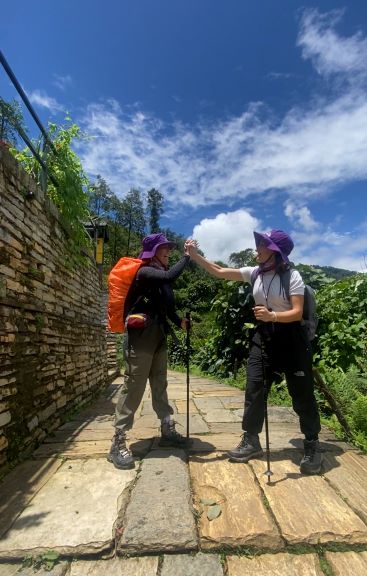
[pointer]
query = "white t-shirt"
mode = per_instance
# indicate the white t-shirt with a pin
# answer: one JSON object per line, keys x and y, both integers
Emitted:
{"x": 268, "y": 290}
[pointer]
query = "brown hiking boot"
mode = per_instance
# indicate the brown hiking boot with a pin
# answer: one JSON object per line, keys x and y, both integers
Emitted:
{"x": 120, "y": 455}
{"x": 170, "y": 436}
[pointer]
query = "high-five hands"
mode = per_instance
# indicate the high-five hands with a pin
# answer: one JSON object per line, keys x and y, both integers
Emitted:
{"x": 191, "y": 246}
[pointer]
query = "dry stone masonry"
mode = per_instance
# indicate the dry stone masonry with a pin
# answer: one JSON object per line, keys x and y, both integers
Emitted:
{"x": 53, "y": 352}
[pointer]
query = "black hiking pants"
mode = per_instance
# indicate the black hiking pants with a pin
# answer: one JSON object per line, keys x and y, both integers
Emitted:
{"x": 277, "y": 349}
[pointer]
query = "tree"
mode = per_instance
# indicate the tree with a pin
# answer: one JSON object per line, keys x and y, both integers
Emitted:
{"x": 243, "y": 258}
{"x": 100, "y": 196}
{"x": 132, "y": 215}
{"x": 10, "y": 118}
{"x": 155, "y": 209}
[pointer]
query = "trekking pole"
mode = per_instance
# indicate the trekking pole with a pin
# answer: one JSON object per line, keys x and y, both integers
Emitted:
{"x": 268, "y": 472}
{"x": 188, "y": 327}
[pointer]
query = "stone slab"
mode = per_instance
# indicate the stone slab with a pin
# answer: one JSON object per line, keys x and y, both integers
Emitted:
{"x": 197, "y": 424}
{"x": 287, "y": 435}
{"x": 17, "y": 569}
{"x": 81, "y": 435}
{"x": 74, "y": 449}
{"x": 281, "y": 414}
{"x": 19, "y": 487}
{"x": 147, "y": 421}
{"x": 348, "y": 474}
{"x": 244, "y": 520}
{"x": 140, "y": 446}
{"x": 214, "y": 392}
{"x": 306, "y": 508}
{"x": 92, "y": 424}
{"x": 146, "y": 408}
{"x": 181, "y": 406}
{"x": 213, "y": 442}
{"x": 234, "y": 406}
{"x": 222, "y": 415}
{"x": 147, "y": 566}
{"x": 343, "y": 563}
{"x": 74, "y": 513}
{"x": 281, "y": 564}
{"x": 226, "y": 428}
{"x": 105, "y": 409}
{"x": 205, "y": 404}
{"x": 159, "y": 516}
{"x": 192, "y": 565}
{"x": 177, "y": 393}
{"x": 235, "y": 399}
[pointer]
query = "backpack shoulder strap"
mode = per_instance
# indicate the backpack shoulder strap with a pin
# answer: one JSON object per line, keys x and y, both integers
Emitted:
{"x": 285, "y": 280}
{"x": 254, "y": 275}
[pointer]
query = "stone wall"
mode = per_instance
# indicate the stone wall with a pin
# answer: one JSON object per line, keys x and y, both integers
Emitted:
{"x": 53, "y": 350}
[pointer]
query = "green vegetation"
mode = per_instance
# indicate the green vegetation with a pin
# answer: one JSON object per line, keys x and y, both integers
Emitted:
{"x": 220, "y": 311}
{"x": 11, "y": 118}
{"x": 70, "y": 195}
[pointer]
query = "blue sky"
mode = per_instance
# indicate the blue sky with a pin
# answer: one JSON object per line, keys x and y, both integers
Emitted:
{"x": 246, "y": 115}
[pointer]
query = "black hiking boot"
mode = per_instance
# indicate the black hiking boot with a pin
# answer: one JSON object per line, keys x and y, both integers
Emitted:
{"x": 170, "y": 436}
{"x": 249, "y": 447}
{"x": 120, "y": 455}
{"x": 312, "y": 458}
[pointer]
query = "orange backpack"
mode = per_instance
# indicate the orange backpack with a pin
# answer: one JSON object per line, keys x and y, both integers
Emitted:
{"x": 119, "y": 281}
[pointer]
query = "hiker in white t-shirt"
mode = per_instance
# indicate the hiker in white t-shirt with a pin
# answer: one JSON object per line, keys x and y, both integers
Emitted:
{"x": 279, "y": 345}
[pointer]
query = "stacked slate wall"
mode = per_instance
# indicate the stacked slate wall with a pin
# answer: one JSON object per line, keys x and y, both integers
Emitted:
{"x": 53, "y": 349}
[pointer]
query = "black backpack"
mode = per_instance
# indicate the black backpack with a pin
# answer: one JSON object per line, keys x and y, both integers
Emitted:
{"x": 309, "y": 317}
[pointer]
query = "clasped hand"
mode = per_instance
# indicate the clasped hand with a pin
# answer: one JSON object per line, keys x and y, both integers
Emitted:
{"x": 191, "y": 246}
{"x": 262, "y": 313}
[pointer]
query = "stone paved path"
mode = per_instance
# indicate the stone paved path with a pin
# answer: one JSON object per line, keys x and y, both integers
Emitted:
{"x": 184, "y": 513}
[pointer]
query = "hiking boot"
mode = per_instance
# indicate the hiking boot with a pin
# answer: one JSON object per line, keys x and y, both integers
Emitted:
{"x": 170, "y": 436}
{"x": 249, "y": 447}
{"x": 120, "y": 455}
{"x": 312, "y": 458}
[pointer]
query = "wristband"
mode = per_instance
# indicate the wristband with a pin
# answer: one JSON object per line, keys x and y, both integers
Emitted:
{"x": 275, "y": 317}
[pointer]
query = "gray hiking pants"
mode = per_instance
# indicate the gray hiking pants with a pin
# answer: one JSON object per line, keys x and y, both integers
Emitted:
{"x": 145, "y": 352}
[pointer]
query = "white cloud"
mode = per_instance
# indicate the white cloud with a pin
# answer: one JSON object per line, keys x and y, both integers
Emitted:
{"x": 327, "y": 248}
{"x": 40, "y": 98}
{"x": 301, "y": 214}
{"x": 309, "y": 152}
{"x": 226, "y": 233}
{"x": 329, "y": 52}
{"x": 62, "y": 82}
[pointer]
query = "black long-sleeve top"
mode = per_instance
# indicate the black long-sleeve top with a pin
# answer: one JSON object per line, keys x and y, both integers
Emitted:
{"x": 151, "y": 293}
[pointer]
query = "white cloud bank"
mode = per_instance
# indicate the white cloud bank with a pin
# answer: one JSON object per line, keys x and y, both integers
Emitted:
{"x": 226, "y": 233}
{"x": 310, "y": 151}
{"x": 41, "y": 99}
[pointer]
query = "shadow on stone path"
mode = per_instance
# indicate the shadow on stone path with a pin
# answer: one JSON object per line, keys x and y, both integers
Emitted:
{"x": 166, "y": 515}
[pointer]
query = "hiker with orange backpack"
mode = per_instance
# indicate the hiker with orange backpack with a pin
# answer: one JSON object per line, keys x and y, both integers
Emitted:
{"x": 280, "y": 345}
{"x": 148, "y": 306}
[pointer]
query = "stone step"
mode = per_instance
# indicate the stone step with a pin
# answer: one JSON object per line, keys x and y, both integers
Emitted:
{"x": 204, "y": 564}
{"x": 306, "y": 508}
{"x": 244, "y": 519}
{"x": 347, "y": 473}
{"x": 343, "y": 563}
{"x": 159, "y": 516}
{"x": 275, "y": 564}
{"x": 74, "y": 513}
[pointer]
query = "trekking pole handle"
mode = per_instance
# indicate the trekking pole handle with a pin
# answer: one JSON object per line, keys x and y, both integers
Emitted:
{"x": 188, "y": 318}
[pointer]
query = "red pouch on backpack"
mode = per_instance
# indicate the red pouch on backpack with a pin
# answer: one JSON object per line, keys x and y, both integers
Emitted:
{"x": 137, "y": 321}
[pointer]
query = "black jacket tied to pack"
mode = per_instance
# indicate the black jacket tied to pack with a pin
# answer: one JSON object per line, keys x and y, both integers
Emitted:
{"x": 151, "y": 293}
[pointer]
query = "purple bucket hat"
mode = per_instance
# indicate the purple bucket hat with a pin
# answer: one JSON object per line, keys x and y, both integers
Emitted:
{"x": 277, "y": 241}
{"x": 151, "y": 243}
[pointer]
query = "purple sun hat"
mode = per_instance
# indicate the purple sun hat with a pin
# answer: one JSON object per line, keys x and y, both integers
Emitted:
{"x": 277, "y": 241}
{"x": 151, "y": 243}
